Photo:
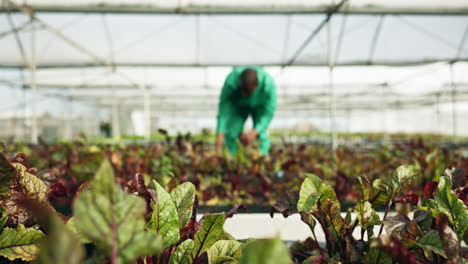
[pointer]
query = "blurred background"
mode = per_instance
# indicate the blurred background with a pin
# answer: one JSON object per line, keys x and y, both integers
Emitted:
{"x": 120, "y": 69}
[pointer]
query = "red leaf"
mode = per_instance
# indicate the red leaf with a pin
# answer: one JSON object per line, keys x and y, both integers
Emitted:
{"x": 462, "y": 194}
{"x": 448, "y": 236}
{"x": 319, "y": 260}
{"x": 234, "y": 209}
{"x": 21, "y": 158}
{"x": 409, "y": 198}
{"x": 429, "y": 189}
{"x": 395, "y": 248}
{"x": 342, "y": 187}
{"x": 286, "y": 204}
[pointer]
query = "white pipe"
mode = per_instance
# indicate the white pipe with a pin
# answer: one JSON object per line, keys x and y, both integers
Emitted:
{"x": 253, "y": 6}
{"x": 115, "y": 116}
{"x": 34, "y": 128}
{"x": 147, "y": 105}
{"x": 332, "y": 104}
{"x": 454, "y": 103}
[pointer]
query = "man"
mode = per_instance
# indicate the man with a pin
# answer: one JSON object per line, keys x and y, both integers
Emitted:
{"x": 246, "y": 91}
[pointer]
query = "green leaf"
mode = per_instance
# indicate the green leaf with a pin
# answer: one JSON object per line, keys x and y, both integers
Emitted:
{"x": 265, "y": 251}
{"x": 210, "y": 232}
{"x": 182, "y": 253}
{"x": 392, "y": 185}
{"x": 87, "y": 164}
{"x": 184, "y": 196}
{"x": 383, "y": 192}
{"x": 72, "y": 227}
{"x": 309, "y": 193}
{"x": 164, "y": 219}
{"x": 309, "y": 220}
{"x": 405, "y": 173}
{"x": 61, "y": 245}
{"x": 33, "y": 187}
{"x": 224, "y": 251}
{"x": 431, "y": 240}
{"x": 371, "y": 192}
{"x": 3, "y": 218}
{"x": 449, "y": 238}
{"x": 7, "y": 173}
{"x": 449, "y": 204}
{"x": 315, "y": 260}
{"x": 313, "y": 190}
{"x": 20, "y": 243}
{"x": 114, "y": 220}
{"x": 366, "y": 215}
{"x": 373, "y": 254}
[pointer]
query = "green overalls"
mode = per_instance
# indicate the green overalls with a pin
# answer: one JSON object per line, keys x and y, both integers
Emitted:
{"x": 234, "y": 108}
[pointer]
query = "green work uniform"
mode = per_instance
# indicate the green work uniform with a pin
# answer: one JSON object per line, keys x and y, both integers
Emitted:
{"x": 234, "y": 108}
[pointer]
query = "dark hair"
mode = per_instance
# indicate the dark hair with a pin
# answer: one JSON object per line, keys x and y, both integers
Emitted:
{"x": 248, "y": 76}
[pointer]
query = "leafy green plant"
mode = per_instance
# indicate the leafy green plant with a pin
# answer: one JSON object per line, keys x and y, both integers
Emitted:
{"x": 114, "y": 220}
{"x": 432, "y": 236}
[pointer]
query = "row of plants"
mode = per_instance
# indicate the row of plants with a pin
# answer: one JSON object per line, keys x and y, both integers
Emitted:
{"x": 247, "y": 177}
{"x": 114, "y": 221}
{"x": 110, "y": 225}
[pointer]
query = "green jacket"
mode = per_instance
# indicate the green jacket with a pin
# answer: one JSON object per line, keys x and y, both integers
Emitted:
{"x": 262, "y": 102}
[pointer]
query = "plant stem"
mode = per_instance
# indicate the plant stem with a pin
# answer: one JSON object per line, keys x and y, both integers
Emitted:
{"x": 389, "y": 205}
{"x": 114, "y": 253}
{"x": 385, "y": 216}
{"x": 316, "y": 241}
{"x": 299, "y": 254}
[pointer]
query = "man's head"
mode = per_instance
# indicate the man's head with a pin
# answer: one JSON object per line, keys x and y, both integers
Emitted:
{"x": 248, "y": 82}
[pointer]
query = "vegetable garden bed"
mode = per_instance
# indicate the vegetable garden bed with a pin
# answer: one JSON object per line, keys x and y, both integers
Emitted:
{"x": 134, "y": 204}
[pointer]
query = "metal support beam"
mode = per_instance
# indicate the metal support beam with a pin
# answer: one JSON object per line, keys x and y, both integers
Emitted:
{"x": 340, "y": 38}
{"x": 349, "y": 115}
{"x": 198, "y": 38}
{"x": 287, "y": 36}
{"x": 18, "y": 39}
{"x": 57, "y": 32}
{"x": 438, "y": 7}
{"x": 314, "y": 33}
{"x": 454, "y": 102}
{"x": 438, "y": 124}
{"x": 69, "y": 117}
{"x": 375, "y": 38}
{"x": 115, "y": 116}
{"x": 461, "y": 45}
{"x": 147, "y": 111}
{"x": 331, "y": 90}
{"x": 384, "y": 111}
{"x": 15, "y": 29}
{"x": 354, "y": 63}
{"x": 34, "y": 128}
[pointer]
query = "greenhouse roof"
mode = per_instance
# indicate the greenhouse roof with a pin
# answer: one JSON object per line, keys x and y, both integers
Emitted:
{"x": 382, "y": 53}
{"x": 392, "y": 38}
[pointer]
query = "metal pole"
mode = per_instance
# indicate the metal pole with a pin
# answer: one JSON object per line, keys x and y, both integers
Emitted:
{"x": 332, "y": 104}
{"x": 34, "y": 129}
{"x": 147, "y": 105}
{"x": 349, "y": 113}
{"x": 454, "y": 108}
{"x": 315, "y": 33}
{"x": 385, "y": 112}
{"x": 197, "y": 39}
{"x": 69, "y": 130}
{"x": 115, "y": 115}
{"x": 438, "y": 120}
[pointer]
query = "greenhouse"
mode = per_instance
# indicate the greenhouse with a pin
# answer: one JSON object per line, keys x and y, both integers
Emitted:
{"x": 120, "y": 144}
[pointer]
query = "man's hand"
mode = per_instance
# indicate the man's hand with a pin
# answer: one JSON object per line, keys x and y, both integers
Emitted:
{"x": 247, "y": 138}
{"x": 219, "y": 143}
